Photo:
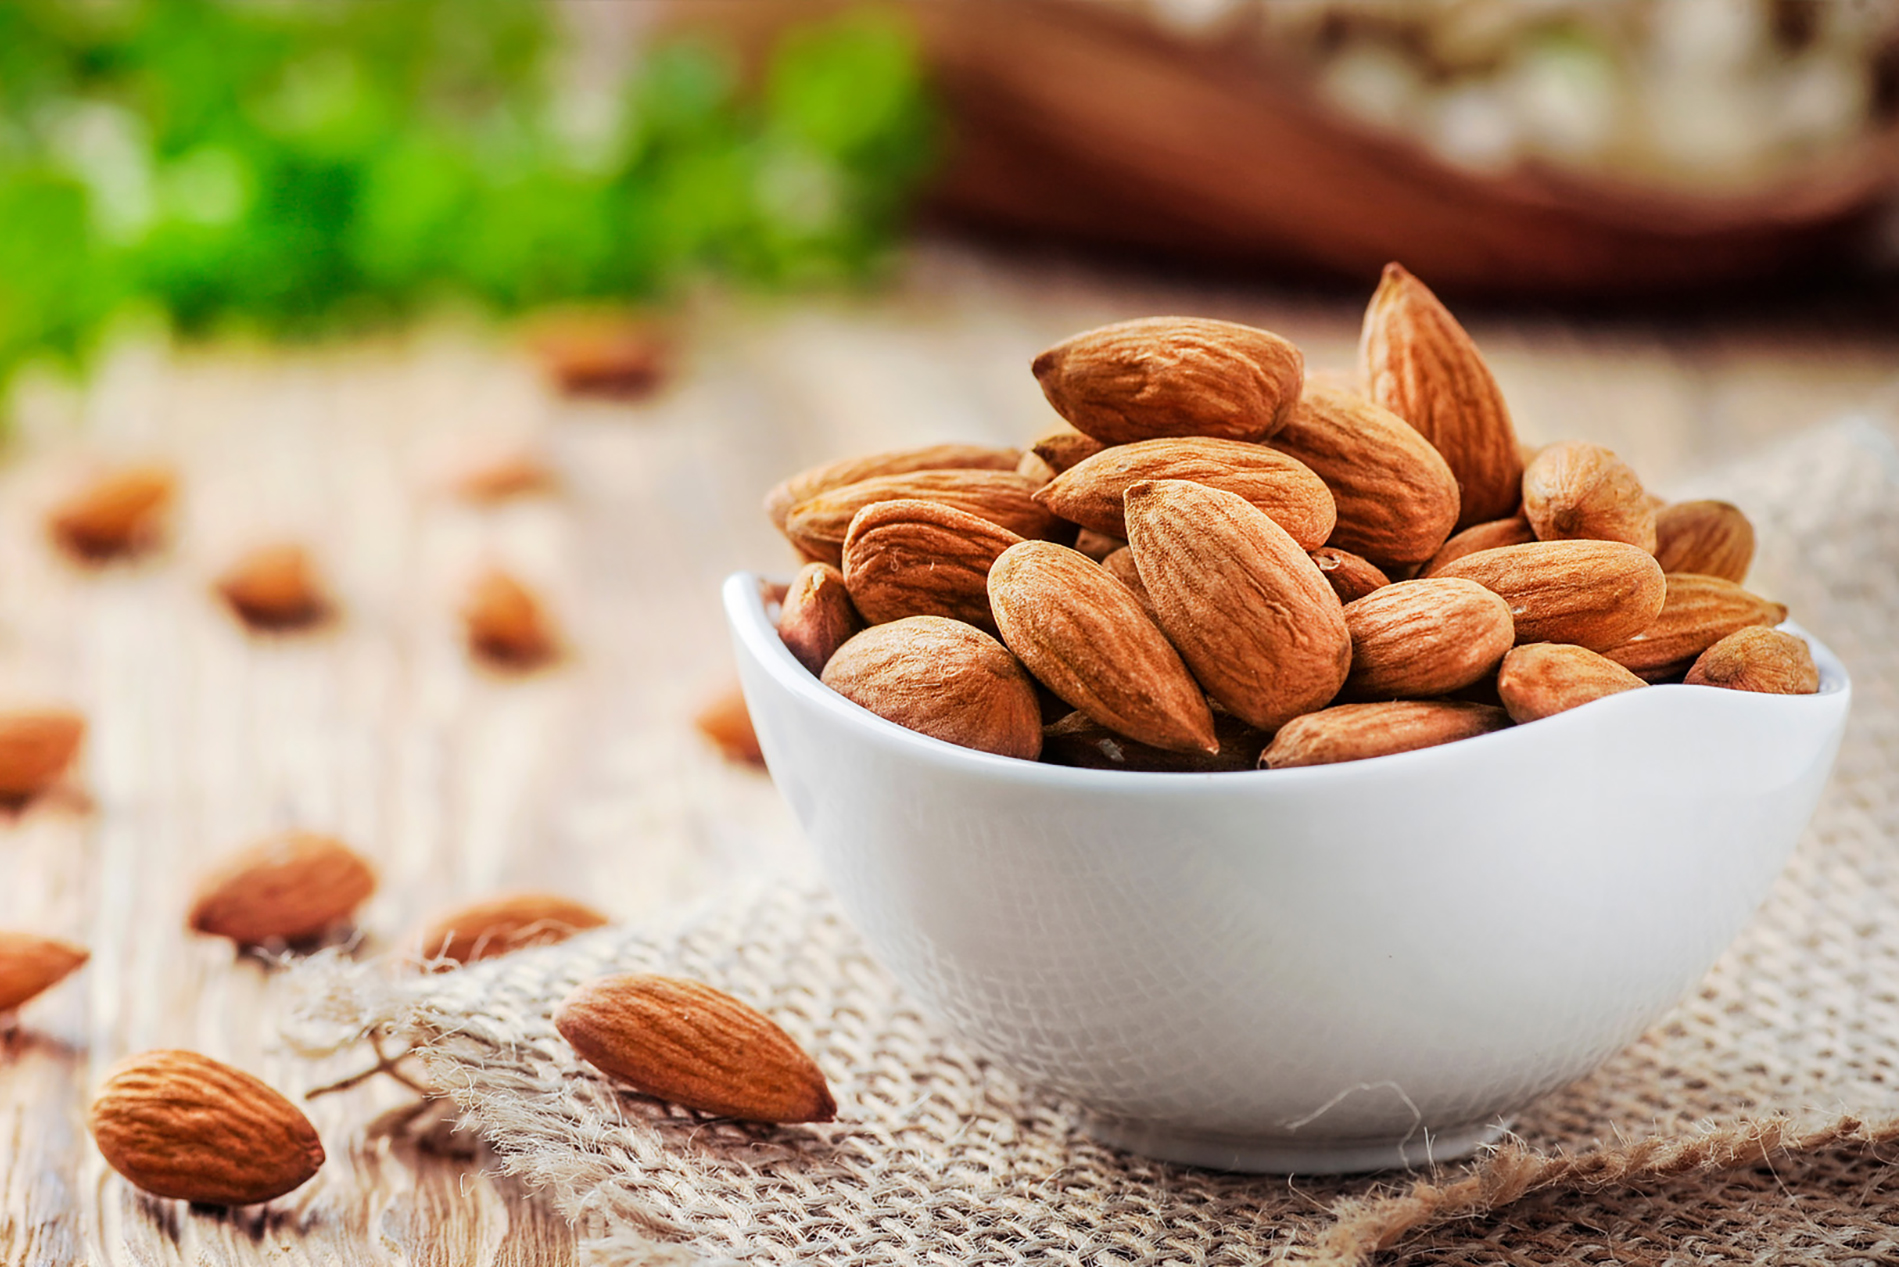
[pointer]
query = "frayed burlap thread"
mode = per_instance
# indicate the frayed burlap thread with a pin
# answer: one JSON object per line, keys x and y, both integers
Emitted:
{"x": 1756, "y": 1124}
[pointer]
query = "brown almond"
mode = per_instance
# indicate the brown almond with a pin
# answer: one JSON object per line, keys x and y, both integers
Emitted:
{"x": 1085, "y": 637}
{"x": 1093, "y": 492}
{"x": 502, "y": 477}
{"x": 942, "y": 678}
{"x": 819, "y": 525}
{"x": 1595, "y": 594}
{"x": 1354, "y": 732}
{"x": 727, "y": 722}
{"x": 1542, "y": 679}
{"x": 1349, "y": 576}
{"x": 616, "y": 358}
{"x": 1415, "y": 639}
{"x": 31, "y": 964}
{"x": 1033, "y": 469}
{"x": 1079, "y": 740}
{"x": 501, "y": 925}
{"x": 507, "y": 624}
{"x": 1758, "y": 659}
{"x": 1699, "y": 612}
{"x": 36, "y": 746}
{"x": 1172, "y": 376}
{"x": 1514, "y": 531}
{"x": 274, "y": 587}
{"x": 1097, "y": 545}
{"x": 1120, "y": 565}
{"x": 694, "y": 1046}
{"x": 178, "y": 1124}
{"x": 1066, "y": 447}
{"x": 1708, "y": 538}
{"x": 817, "y": 616}
{"x": 118, "y": 513}
{"x": 291, "y": 888}
{"x": 919, "y": 558}
{"x": 807, "y": 484}
{"x": 1396, "y": 496}
{"x": 1575, "y": 490}
{"x": 1420, "y": 364}
{"x": 1247, "y": 609}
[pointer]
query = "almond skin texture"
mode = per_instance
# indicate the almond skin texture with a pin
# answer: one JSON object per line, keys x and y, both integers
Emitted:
{"x": 941, "y": 678}
{"x": 1699, "y": 612}
{"x": 1575, "y": 490}
{"x": 1172, "y": 376}
{"x": 1419, "y": 363}
{"x": 1092, "y": 494}
{"x": 1758, "y": 659}
{"x": 119, "y": 513}
{"x": 1353, "y": 732}
{"x": 1421, "y": 638}
{"x": 30, "y": 964}
{"x": 36, "y": 746}
{"x": 817, "y": 616}
{"x": 819, "y": 526}
{"x": 728, "y": 724}
{"x": 1545, "y": 678}
{"x": 507, "y": 625}
{"x": 917, "y": 558}
{"x": 1349, "y": 576}
{"x": 692, "y": 1045}
{"x": 1120, "y": 565}
{"x": 1708, "y": 538}
{"x": 1097, "y": 545}
{"x": 290, "y": 888}
{"x": 1085, "y": 637}
{"x": 1396, "y": 497}
{"x": 807, "y": 484}
{"x": 1595, "y": 594}
{"x": 1514, "y": 531}
{"x": 178, "y": 1124}
{"x": 1249, "y": 612}
{"x": 274, "y": 587}
{"x": 1065, "y": 448}
{"x": 1079, "y": 740}
{"x": 501, "y": 925}
{"x": 1033, "y": 469}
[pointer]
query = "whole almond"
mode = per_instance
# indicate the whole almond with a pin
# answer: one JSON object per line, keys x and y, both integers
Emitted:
{"x": 727, "y": 722}
{"x": 942, "y": 678}
{"x": 1354, "y": 732}
{"x": 274, "y": 587}
{"x": 1120, "y": 565}
{"x": 1065, "y": 447}
{"x": 817, "y": 615}
{"x": 1699, "y": 612}
{"x": 1079, "y": 740}
{"x": 1575, "y": 490}
{"x": 501, "y": 925}
{"x": 1758, "y": 659}
{"x": 819, "y": 525}
{"x": 178, "y": 1124}
{"x": 1595, "y": 594}
{"x": 290, "y": 888}
{"x": 1085, "y": 637}
{"x": 807, "y": 484}
{"x": 507, "y": 624}
{"x": 31, "y": 964}
{"x": 1708, "y": 538}
{"x": 1415, "y": 639}
{"x": 1420, "y": 364}
{"x": 1542, "y": 679}
{"x": 692, "y": 1045}
{"x": 36, "y": 746}
{"x": 120, "y": 512}
{"x": 1093, "y": 492}
{"x": 501, "y": 477}
{"x": 1172, "y": 376}
{"x": 1396, "y": 497}
{"x": 614, "y": 357}
{"x": 1248, "y": 610}
{"x": 1349, "y": 576}
{"x": 917, "y": 558}
{"x": 1514, "y": 531}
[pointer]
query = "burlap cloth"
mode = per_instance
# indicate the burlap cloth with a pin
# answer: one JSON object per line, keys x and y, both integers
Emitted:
{"x": 1755, "y": 1125}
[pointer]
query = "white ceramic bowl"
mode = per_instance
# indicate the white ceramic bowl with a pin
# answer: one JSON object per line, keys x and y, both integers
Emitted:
{"x": 1334, "y": 968}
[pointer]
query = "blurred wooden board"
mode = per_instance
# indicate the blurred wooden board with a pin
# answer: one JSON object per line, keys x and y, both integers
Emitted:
{"x": 586, "y": 777}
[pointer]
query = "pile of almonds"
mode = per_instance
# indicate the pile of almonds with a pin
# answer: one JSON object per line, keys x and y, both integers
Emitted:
{"x": 1224, "y": 564}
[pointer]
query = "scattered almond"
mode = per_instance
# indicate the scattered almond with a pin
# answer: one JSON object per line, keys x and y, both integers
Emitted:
{"x": 118, "y": 513}
{"x": 1355, "y": 732}
{"x": 503, "y": 477}
{"x": 816, "y": 615}
{"x": 507, "y": 624}
{"x": 1699, "y": 612}
{"x": 1577, "y": 490}
{"x": 1514, "y": 531}
{"x": 30, "y": 965}
{"x": 727, "y": 722}
{"x": 501, "y": 925}
{"x": 1349, "y": 576}
{"x": 1708, "y": 538}
{"x": 819, "y": 525}
{"x": 1415, "y": 639}
{"x": 274, "y": 587}
{"x": 290, "y": 888}
{"x": 1592, "y": 593}
{"x": 1542, "y": 679}
{"x": 1758, "y": 659}
{"x": 944, "y": 679}
{"x": 621, "y": 358}
{"x": 918, "y": 558}
{"x": 807, "y": 484}
{"x": 36, "y": 746}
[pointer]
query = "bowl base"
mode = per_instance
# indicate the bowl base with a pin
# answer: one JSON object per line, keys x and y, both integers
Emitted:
{"x": 1285, "y": 1157}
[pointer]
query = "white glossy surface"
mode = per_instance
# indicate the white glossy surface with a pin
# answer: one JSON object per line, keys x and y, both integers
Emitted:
{"x": 1320, "y": 969}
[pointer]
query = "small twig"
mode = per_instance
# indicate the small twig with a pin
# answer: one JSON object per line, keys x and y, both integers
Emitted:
{"x": 385, "y": 1064}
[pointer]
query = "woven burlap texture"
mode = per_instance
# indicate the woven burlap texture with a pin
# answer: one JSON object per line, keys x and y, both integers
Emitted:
{"x": 1754, "y": 1125}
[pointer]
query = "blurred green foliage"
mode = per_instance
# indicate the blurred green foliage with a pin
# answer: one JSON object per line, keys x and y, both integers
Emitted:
{"x": 296, "y": 167}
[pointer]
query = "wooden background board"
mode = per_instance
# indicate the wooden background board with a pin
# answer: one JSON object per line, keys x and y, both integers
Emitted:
{"x": 586, "y": 777}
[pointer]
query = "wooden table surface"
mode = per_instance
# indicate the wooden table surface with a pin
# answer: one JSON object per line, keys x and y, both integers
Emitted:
{"x": 586, "y": 777}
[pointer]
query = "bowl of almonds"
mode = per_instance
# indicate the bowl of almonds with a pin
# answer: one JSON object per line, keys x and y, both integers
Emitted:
{"x": 1294, "y": 772}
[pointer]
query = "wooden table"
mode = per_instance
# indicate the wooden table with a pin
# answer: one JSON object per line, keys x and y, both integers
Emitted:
{"x": 586, "y": 777}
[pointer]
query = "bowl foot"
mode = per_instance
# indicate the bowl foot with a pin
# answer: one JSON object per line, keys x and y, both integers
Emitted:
{"x": 1289, "y": 1156}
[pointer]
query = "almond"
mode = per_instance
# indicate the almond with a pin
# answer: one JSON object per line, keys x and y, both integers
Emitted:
{"x": 182, "y": 1125}
{"x": 1349, "y": 576}
{"x": 30, "y": 964}
{"x": 291, "y": 888}
{"x": 1064, "y": 448}
{"x": 1514, "y": 531}
{"x": 1575, "y": 490}
{"x": 817, "y": 616}
{"x": 807, "y": 484}
{"x": 728, "y": 724}
{"x": 1708, "y": 538}
{"x": 1120, "y": 565}
{"x": 1033, "y": 469}
{"x": 274, "y": 587}
{"x": 1542, "y": 679}
{"x": 819, "y": 525}
{"x": 1353, "y": 732}
{"x": 619, "y": 358}
{"x": 506, "y": 624}
{"x": 1699, "y": 612}
{"x": 36, "y": 746}
{"x": 501, "y": 925}
{"x": 1592, "y": 593}
{"x": 918, "y": 558}
{"x": 1396, "y": 496}
{"x": 1092, "y": 492}
{"x": 1172, "y": 376}
{"x": 508, "y": 475}
{"x": 1080, "y": 740}
{"x": 941, "y": 678}
{"x": 1427, "y": 637}
{"x": 120, "y": 512}
{"x": 1758, "y": 659}
{"x": 1249, "y": 612}
{"x": 694, "y": 1046}
{"x": 1097, "y": 545}
{"x": 1085, "y": 637}
{"x": 1420, "y": 364}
